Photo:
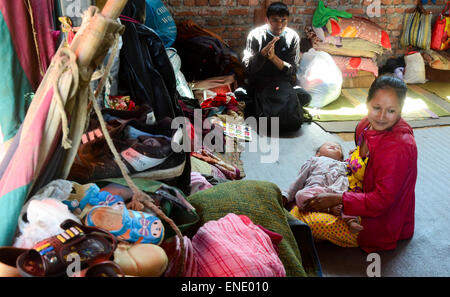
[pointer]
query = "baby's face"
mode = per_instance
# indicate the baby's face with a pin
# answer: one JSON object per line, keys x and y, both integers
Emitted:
{"x": 330, "y": 150}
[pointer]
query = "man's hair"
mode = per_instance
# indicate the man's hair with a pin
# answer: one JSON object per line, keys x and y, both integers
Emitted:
{"x": 278, "y": 9}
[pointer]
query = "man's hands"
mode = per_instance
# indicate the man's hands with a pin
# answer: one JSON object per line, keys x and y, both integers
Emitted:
{"x": 269, "y": 50}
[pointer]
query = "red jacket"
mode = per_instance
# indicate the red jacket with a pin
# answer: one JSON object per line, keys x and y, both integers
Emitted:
{"x": 387, "y": 205}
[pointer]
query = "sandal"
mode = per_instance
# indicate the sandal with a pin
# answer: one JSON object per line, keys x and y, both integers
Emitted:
{"x": 49, "y": 257}
{"x": 129, "y": 225}
{"x": 103, "y": 269}
{"x": 8, "y": 258}
{"x": 87, "y": 196}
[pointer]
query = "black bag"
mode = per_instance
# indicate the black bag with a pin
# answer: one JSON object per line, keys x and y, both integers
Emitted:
{"x": 203, "y": 57}
{"x": 146, "y": 73}
{"x": 280, "y": 99}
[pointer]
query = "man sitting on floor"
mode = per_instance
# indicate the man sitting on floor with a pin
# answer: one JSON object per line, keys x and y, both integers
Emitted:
{"x": 271, "y": 58}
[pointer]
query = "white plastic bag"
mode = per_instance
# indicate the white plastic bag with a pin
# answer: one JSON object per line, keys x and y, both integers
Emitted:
{"x": 414, "y": 69}
{"x": 182, "y": 85}
{"x": 44, "y": 213}
{"x": 319, "y": 75}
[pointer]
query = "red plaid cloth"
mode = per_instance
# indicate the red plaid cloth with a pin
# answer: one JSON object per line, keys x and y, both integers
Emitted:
{"x": 230, "y": 247}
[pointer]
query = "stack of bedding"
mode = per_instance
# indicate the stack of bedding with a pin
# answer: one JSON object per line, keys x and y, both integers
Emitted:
{"x": 437, "y": 65}
{"x": 354, "y": 42}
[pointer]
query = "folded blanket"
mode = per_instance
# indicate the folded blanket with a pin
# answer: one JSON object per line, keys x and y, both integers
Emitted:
{"x": 262, "y": 203}
{"x": 343, "y": 51}
{"x": 350, "y": 66}
{"x": 358, "y": 27}
{"x": 335, "y": 45}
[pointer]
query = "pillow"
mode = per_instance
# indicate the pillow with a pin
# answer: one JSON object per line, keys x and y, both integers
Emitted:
{"x": 349, "y": 66}
{"x": 260, "y": 201}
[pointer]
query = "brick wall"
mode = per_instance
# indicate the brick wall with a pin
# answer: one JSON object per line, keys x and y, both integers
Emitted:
{"x": 233, "y": 19}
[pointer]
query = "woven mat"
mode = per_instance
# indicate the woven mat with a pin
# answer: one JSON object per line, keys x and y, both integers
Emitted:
{"x": 351, "y": 106}
{"x": 441, "y": 89}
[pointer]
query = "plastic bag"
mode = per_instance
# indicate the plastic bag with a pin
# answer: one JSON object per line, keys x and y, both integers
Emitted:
{"x": 319, "y": 75}
{"x": 414, "y": 69}
{"x": 182, "y": 84}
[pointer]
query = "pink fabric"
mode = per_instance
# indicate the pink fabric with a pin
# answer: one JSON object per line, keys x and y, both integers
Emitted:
{"x": 350, "y": 67}
{"x": 198, "y": 182}
{"x": 228, "y": 247}
{"x": 21, "y": 169}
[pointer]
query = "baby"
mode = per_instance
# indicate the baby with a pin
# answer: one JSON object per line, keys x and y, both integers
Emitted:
{"x": 326, "y": 172}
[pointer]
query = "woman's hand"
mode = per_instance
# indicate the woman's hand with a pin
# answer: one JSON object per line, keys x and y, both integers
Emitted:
{"x": 322, "y": 201}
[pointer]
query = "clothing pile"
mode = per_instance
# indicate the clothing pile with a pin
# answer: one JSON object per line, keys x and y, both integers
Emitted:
{"x": 353, "y": 42}
{"x": 67, "y": 221}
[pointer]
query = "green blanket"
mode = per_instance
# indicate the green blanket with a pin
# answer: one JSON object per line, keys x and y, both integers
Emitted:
{"x": 261, "y": 202}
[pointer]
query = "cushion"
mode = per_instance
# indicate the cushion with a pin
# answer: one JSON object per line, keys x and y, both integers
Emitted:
{"x": 358, "y": 27}
{"x": 350, "y": 66}
{"x": 260, "y": 201}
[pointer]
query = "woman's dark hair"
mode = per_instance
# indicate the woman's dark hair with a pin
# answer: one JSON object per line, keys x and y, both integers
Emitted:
{"x": 278, "y": 9}
{"x": 389, "y": 82}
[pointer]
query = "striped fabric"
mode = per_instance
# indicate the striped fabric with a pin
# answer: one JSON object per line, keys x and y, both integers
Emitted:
{"x": 235, "y": 247}
{"x": 416, "y": 30}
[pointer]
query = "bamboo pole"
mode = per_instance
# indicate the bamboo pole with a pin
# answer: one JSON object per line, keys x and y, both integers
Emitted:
{"x": 86, "y": 44}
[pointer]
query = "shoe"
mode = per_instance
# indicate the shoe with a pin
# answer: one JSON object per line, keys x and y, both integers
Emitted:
{"x": 52, "y": 256}
{"x": 88, "y": 196}
{"x": 145, "y": 150}
{"x": 145, "y": 260}
{"x": 102, "y": 269}
{"x": 126, "y": 224}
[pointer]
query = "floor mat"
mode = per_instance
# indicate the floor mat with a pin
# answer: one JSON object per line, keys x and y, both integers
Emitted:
{"x": 441, "y": 89}
{"x": 351, "y": 106}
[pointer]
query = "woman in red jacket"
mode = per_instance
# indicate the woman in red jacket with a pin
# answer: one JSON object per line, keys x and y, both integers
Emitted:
{"x": 388, "y": 152}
